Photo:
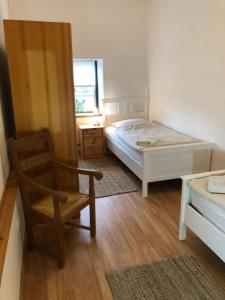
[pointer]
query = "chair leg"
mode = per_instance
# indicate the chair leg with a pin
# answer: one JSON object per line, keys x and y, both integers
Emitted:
{"x": 92, "y": 219}
{"x": 60, "y": 245}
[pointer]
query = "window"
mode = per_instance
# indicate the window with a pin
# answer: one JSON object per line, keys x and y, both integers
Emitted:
{"x": 86, "y": 83}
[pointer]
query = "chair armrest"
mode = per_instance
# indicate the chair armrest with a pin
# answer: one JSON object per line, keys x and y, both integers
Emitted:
{"x": 98, "y": 175}
{"x": 60, "y": 196}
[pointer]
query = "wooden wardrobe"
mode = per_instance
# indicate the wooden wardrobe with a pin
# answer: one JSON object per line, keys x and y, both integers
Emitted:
{"x": 41, "y": 76}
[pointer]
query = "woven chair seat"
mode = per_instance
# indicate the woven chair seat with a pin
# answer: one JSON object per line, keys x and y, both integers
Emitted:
{"x": 74, "y": 203}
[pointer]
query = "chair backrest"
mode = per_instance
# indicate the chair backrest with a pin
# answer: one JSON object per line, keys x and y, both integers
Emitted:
{"x": 32, "y": 155}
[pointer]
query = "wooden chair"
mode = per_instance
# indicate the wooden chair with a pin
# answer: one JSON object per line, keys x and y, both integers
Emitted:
{"x": 45, "y": 199}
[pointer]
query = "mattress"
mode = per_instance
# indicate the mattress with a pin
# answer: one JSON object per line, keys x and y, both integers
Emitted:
{"x": 135, "y": 154}
{"x": 211, "y": 206}
{"x": 141, "y": 135}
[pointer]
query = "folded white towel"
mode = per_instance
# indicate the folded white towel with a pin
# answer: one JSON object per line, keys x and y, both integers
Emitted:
{"x": 216, "y": 184}
{"x": 146, "y": 142}
{"x": 143, "y": 143}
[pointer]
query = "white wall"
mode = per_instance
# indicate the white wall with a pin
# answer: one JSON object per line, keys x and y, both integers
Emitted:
{"x": 187, "y": 68}
{"x": 112, "y": 30}
{"x": 10, "y": 284}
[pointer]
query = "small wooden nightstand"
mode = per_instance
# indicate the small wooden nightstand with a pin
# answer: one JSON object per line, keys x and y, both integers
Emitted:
{"x": 92, "y": 143}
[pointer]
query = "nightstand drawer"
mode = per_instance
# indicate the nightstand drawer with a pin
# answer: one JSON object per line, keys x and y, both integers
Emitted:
{"x": 93, "y": 151}
{"x": 93, "y": 132}
{"x": 93, "y": 140}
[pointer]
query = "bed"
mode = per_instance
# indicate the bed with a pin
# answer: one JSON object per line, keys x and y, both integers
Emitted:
{"x": 156, "y": 163}
{"x": 203, "y": 212}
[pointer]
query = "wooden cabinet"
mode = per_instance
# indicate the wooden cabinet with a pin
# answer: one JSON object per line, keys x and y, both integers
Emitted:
{"x": 91, "y": 141}
{"x": 41, "y": 77}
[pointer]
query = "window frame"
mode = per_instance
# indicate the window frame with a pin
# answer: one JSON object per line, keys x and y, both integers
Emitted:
{"x": 96, "y": 89}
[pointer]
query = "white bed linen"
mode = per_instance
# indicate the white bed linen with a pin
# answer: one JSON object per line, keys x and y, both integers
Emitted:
{"x": 210, "y": 211}
{"x": 211, "y": 206}
{"x": 216, "y": 184}
{"x": 151, "y": 134}
{"x": 110, "y": 134}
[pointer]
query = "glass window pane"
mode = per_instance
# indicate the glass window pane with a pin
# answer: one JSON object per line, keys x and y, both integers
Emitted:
{"x": 85, "y": 90}
{"x": 85, "y": 104}
{"x": 84, "y": 72}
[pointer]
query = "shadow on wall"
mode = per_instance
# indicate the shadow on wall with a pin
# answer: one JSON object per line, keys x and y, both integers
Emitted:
{"x": 218, "y": 159}
{"x": 5, "y": 96}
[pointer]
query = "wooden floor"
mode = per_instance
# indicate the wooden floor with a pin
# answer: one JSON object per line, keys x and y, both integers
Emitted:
{"x": 130, "y": 230}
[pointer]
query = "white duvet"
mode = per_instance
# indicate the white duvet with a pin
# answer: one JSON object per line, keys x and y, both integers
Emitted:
{"x": 145, "y": 135}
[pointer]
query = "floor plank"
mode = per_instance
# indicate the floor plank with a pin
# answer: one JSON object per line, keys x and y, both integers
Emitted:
{"x": 130, "y": 230}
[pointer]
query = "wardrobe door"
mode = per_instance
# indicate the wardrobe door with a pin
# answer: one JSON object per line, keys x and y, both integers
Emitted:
{"x": 41, "y": 76}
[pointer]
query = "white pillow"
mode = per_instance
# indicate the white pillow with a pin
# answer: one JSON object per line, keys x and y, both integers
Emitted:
{"x": 128, "y": 122}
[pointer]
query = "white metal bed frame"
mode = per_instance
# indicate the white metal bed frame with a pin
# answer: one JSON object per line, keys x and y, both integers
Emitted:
{"x": 159, "y": 163}
{"x": 209, "y": 233}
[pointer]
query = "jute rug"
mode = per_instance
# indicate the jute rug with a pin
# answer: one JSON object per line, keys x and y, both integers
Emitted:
{"x": 174, "y": 278}
{"x": 115, "y": 178}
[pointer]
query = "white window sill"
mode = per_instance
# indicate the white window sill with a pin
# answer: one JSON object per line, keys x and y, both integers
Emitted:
{"x": 86, "y": 115}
